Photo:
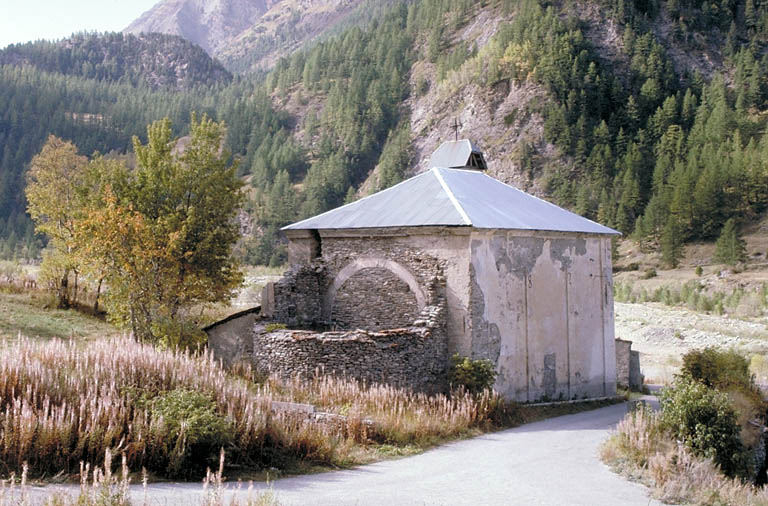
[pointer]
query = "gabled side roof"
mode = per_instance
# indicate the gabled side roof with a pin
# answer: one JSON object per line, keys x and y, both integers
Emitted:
{"x": 457, "y": 155}
{"x": 452, "y": 197}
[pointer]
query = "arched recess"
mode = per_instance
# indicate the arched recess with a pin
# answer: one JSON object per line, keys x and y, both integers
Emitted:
{"x": 369, "y": 262}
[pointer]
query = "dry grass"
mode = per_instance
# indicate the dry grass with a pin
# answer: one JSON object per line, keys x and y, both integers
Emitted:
{"x": 642, "y": 450}
{"x": 400, "y": 417}
{"x": 102, "y": 488}
{"x": 64, "y": 403}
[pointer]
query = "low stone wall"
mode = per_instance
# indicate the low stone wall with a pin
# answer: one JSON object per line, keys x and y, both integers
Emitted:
{"x": 414, "y": 357}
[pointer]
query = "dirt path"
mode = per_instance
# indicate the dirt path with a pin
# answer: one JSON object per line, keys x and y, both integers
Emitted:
{"x": 552, "y": 462}
{"x": 662, "y": 334}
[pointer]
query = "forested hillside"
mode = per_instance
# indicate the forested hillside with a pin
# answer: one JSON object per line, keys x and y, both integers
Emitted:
{"x": 647, "y": 116}
{"x": 155, "y": 60}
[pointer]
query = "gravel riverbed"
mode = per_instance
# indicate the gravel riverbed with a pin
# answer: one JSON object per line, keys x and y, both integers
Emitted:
{"x": 662, "y": 334}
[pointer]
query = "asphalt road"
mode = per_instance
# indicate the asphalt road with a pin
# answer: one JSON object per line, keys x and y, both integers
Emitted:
{"x": 552, "y": 462}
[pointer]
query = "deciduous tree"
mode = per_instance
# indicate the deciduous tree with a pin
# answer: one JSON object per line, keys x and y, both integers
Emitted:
{"x": 165, "y": 231}
{"x": 55, "y": 193}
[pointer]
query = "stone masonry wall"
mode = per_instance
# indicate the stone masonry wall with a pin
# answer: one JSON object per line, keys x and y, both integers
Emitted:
{"x": 374, "y": 299}
{"x": 340, "y": 251}
{"x": 414, "y": 357}
{"x": 297, "y": 297}
{"x": 622, "y": 362}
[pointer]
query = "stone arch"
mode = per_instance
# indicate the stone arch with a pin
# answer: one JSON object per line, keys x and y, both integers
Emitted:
{"x": 359, "y": 264}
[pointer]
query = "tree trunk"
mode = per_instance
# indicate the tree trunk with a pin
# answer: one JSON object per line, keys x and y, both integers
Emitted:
{"x": 98, "y": 294}
{"x": 74, "y": 292}
{"x": 64, "y": 292}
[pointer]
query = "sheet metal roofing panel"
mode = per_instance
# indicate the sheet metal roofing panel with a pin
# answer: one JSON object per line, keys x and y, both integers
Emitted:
{"x": 418, "y": 201}
{"x": 452, "y": 197}
{"x": 489, "y": 203}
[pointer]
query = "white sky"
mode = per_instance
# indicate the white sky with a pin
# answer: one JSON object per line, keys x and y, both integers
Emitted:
{"x": 25, "y": 20}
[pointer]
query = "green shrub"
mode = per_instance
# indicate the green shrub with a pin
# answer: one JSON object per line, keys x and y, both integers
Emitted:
{"x": 706, "y": 422}
{"x": 271, "y": 327}
{"x": 178, "y": 333}
{"x": 699, "y": 270}
{"x": 193, "y": 431}
{"x": 649, "y": 273}
{"x": 719, "y": 369}
{"x": 475, "y": 375}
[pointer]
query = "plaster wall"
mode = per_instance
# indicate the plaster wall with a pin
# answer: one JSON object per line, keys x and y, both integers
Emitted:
{"x": 541, "y": 310}
{"x": 228, "y": 339}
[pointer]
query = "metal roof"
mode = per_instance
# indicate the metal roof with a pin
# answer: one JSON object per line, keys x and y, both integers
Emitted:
{"x": 452, "y": 197}
{"x": 454, "y": 154}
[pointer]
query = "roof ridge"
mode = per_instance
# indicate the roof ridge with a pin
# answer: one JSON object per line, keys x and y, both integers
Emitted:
{"x": 451, "y": 196}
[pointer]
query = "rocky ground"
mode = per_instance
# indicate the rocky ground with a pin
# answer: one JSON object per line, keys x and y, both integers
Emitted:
{"x": 663, "y": 334}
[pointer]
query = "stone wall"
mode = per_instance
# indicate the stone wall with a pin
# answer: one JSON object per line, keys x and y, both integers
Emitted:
{"x": 339, "y": 251}
{"x": 414, "y": 357}
{"x": 374, "y": 299}
{"x": 296, "y": 299}
{"x": 345, "y": 257}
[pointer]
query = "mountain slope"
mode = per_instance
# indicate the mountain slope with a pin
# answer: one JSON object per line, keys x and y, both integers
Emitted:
{"x": 158, "y": 60}
{"x": 249, "y": 35}
{"x": 208, "y": 23}
{"x": 648, "y": 117}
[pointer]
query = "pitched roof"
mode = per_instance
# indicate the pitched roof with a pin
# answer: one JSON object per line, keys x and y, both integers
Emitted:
{"x": 452, "y": 197}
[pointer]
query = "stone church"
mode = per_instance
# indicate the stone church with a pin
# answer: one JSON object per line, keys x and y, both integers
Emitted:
{"x": 387, "y": 288}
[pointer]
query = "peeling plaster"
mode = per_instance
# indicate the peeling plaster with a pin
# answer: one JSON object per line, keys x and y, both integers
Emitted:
{"x": 549, "y": 375}
{"x": 562, "y": 250}
{"x": 524, "y": 253}
{"x": 486, "y": 337}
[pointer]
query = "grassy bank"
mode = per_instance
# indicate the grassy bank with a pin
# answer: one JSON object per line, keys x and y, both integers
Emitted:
{"x": 30, "y": 314}
{"x": 102, "y": 487}
{"x": 641, "y": 449}
{"x": 705, "y": 445}
{"x": 65, "y": 403}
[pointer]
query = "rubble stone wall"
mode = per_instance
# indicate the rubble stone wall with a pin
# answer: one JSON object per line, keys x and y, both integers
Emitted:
{"x": 383, "y": 268}
{"x": 413, "y": 357}
{"x": 374, "y": 299}
{"x": 297, "y": 298}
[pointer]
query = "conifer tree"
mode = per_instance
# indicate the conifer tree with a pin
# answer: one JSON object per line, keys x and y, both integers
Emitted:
{"x": 671, "y": 243}
{"x": 730, "y": 247}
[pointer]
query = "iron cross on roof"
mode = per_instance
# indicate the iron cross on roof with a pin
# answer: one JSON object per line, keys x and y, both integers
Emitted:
{"x": 456, "y": 125}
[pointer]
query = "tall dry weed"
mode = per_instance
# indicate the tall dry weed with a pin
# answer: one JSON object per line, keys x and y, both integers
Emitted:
{"x": 62, "y": 403}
